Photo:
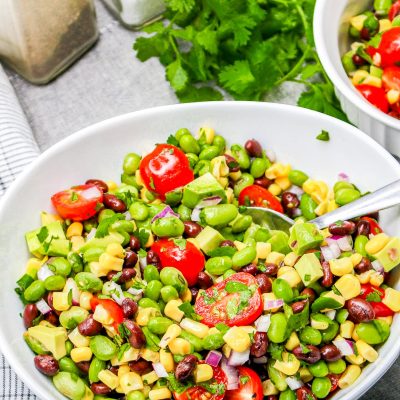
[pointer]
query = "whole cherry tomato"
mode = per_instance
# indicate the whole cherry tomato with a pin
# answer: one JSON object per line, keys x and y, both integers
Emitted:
{"x": 389, "y": 47}
{"x": 111, "y": 307}
{"x": 166, "y": 168}
{"x": 257, "y": 196}
{"x": 375, "y": 96}
{"x": 334, "y": 378}
{"x": 391, "y": 78}
{"x": 394, "y": 10}
{"x": 250, "y": 386}
{"x": 373, "y": 226}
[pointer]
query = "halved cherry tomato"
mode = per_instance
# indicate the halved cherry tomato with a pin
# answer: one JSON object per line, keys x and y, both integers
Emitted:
{"x": 164, "y": 169}
{"x": 111, "y": 307}
{"x": 258, "y": 196}
{"x": 183, "y": 256}
{"x": 389, "y": 47}
{"x": 199, "y": 392}
{"x": 391, "y": 78}
{"x": 250, "y": 386}
{"x": 216, "y": 305}
{"x": 78, "y": 203}
{"x": 375, "y": 95}
{"x": 374, "y": 226}
{"x": 394, "y": 11}
{"x": 334, "y": 378}
{"x": 369, "y": 291}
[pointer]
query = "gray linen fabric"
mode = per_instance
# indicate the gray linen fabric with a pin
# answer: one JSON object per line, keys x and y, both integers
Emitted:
{"x": 106, "y": 82}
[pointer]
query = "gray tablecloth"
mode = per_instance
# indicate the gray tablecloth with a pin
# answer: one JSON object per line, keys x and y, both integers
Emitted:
{"x": 106, "y": 82}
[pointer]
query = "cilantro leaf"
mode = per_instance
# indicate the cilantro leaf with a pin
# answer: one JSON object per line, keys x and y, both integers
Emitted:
{"x": 223, "y": 251}
{"x": 142, "y": 235}
{"x": 193, "y": 94}
{"x": 374, "y": 297}
{"x": 43, "y": 233}
{"x": 237, "y": 77}
{"x": 102, "y": 229}
{"x": 172, "y": 140}
{"x": 181, "y": 243}
{"x": 323, "y": 136}
{"x": 189, "y": 312}
{"x": 183, "y": 6}
{"x": 234, "y": 287}
{"x": 177, "y": 75}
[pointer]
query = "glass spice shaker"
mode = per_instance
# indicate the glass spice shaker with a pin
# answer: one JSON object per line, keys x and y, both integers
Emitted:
{"x": 41, "y": 38}
{"x": 134, "y": 14}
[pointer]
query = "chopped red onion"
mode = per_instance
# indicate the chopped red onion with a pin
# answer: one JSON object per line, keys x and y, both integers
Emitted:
{"x": 195, "y": 216}
{"x": 91, "y": 193}
{"x": 327, "y": 253}
{"x": 296, "y": 212}
{"x": 232, "y": 375}
{"x": 43, "y": 307}
{"x": 117, "y": 294}
{"x": 135, "y": 292}
{"x": 294, "y": 383}
{"x": 270, "y": 155}
{"x": 209, "y": 201}
{"x": 237, "y": 358}
{"x": 331, "y": 314}
{"x": 213, "y": 358}
{"x": 377, "y": 266}
{"x": 128, "y": 216}
{"x": 91, "y": 234}
{"x": 334, "y": 249}
{"x": 298, "y": 191}
{"x": 271, "y": 304}
{"x": 260, "y": 360}
{"x": 346, "y": 347}
{"x": 166, "y": 212}
{"x": 70, "y": 285}
{"x": 343, "y": 177}
{"x": 262, "y": 323}
{"x": 345, "y": 243}
{"x": 44, "y": 272}
{"x": 160, "y": 370}
{"x": 143, "y": 262}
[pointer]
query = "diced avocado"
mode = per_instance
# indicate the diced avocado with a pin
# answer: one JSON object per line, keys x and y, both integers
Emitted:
{"x": 201, "y": 188}
{"x": 279, "y": 242}
{"x": 209, "y": 239}
{"x": 309, "y": 268}
{"x": 328, "y": 301}
{"x": 375, "y": 71}
{"x": 303, "y": 237}
{"x": 102, "y": 243}
{"x": 47, "y": 218}
{"x": 52, "y": 339}
{"x": 34, "y": 345}
{"x": 389, "y": 256}
{"x": 89, "y": 394}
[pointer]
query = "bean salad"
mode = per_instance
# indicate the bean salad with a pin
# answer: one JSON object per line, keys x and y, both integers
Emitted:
{"x": 162, "y": 287}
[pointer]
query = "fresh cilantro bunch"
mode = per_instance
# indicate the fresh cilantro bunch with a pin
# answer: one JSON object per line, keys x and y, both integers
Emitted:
{"x": 242, "y": 47}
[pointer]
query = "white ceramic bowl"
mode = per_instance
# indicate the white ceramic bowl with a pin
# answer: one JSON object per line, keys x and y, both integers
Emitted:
{"x": 97, "y": 152}
{"x": 331, "y": 25}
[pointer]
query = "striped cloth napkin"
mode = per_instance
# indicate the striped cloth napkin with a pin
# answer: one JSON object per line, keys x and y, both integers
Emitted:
{"x": 17, "y": 149}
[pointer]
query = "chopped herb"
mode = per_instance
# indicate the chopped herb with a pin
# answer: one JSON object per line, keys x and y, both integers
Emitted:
{"x": 70, "y": 297}
{"x": 307, "y": 277}
{"x": 232, "y": 308}
{"x": 177, "y": 386}
{"x": 116, "y": 276}
{"x": 244, "y": 379}
{"x": 181, "y": 243}
{"x": 210, "y": 299}
{"x": 222, "y": 328}
{"x": 74, "y": 196}
{"x": 102, "y": 229}
{"x": 234, "y": 287}
{"x": 142, "y": 253}
{"x": 324, "y": 136}
{"x": 99, "y": 206}
{"x": 304, "y": 349}
{"x": 123, "y": 331}
{"x": 374, "y": 296}
{"x": 43, "y": 233}
{"x": 142, "y": 235}
{"x": 214, "y": 388}
{"x": 275, "y": 350}
{"x": 189, "y": 312}
{"x": 172, "y": 140}
{"x": 25, "y": 281}
{"x": 127, "y": 197}
{"x": 46, "y": 245}
{"x": 151, "y": 184}
{"x": 125, "y": 347}
{"x": 223, "y": 251}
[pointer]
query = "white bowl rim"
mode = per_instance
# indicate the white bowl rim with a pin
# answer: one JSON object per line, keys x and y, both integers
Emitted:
{"x": 350, "y": 93}
{"x": 17, "y": 365}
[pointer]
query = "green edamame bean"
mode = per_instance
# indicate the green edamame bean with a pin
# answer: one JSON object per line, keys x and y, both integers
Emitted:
{"x": 341, "y": 315}
{"x": 348, "y": 63}
{"x": 218, "y": 265}
{"x": 184, "y": 213}
{"x": 95, "y": 367}
{"x": 307, "y": 206}
{"x": 67, "y": 365}
{"x": 130, "y": 180}
{"x": 219, "y": 141}
{"x": 35, "y": 291}
{"x": 180, "y": 132}
{"x": 288, "y": 394}
{"x": 89, "y": 224}
{"x": 396, "y": 22}
{"x": 123, "y": 225}
{"x": 277, "y": 328}
{"x": 169, "y": 293}
{"x": 153, "y": 290}
{"x": 168, "y": 227}
{"x": 139, "y": 211}
{"x": 345, "y": 196}
{"x": 202, "y": 167}
{"x": 152, "y": 340}
{"x": 382, "y": 7}
{"x": 371, "y": 23}
{"x": 309, "y": 335}
{"x": 174, "y": 197}
{"x": 34, "y": 344}
{"x": 241, "y": 156}
{"x": 359, "y": 245}
{"x": 277, "y": 377}
{"x": 241, "y": 223}
{"x": 68, "y": 347}
{"x": 373, "y": 332}
{"x": 148, "y": 303}
{"x": 189, "y": 144}
{"x": 282, "y": 290}
{"x": 71, "y": 318}
{"x": 92, "y": 254}
{"x": 193, "y": 159}
{"x": 337, "y": 367}
{"x": 151, "y": 273}
{"x": 135, "y": 395}
{"x": 173, "y": 277}
{"x": 262, "y": 235}
{"x": 244, "y": 181}
{"x": 209, "y": 153}
{"x": 297, "y": 177}
{"x": 126, "y": 237}
{"x": 103, "y": 348}
{"x": 178, "y": 358}
{"x": 196, "y": 342}
{"x": 76, "y": 262}
{"x": 321, "y": 387}
{"x": 342, "y": 185}
{"x": 329, "y": 334}
{"x": 159, "y": 325}
{"x": 319, "y": 369}
{"x": 70, "y": 385}
{"x": 131, "y": 163}
{"x": 88, "y": 281}
{"x": 258, "y": 167}
{"x": 127, "y": 189}
{"x": 244, "y": 257}
{"x": 213, "y": 342}
{"x": 60, "y": 266}
{"x": 104, "y": 214}
{"x": 55, "y": 282}
{"x": 228, "y": 273}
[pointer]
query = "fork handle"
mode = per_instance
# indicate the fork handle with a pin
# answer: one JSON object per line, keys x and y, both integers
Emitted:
{"x": 386, "y": 197}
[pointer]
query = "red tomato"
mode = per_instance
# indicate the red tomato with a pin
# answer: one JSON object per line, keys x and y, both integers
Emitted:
{"x": 334, "y": 378}
{"x": 368, "y": 291}
{"x": 215, "y": 304}
{"x": 164, "y": 169}
{"x": 78, "y": 203}
{"x": 389, "y": 47}
{"x": 391, "y": 78}
{"x": 251, "y": 389}
{"x": 394, "y": 10}
{"x": 200, "y": 393}
{"x": 382, "y": 310}
{"x": 376, "y": 96}
{"x": 258, "y": 196}
{"x": 111, "y": 307}
{"x": 374, "y": 226}
{"x": 187, "y": 258}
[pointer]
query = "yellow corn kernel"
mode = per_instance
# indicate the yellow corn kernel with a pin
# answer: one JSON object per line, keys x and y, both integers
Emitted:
{"x": 346, "y": 329}
{"x": 239, "y": 245}
{"x": 322, "y": 208}
{"x": 290, "y": 259}
{"x": 393, "y": 96}
{"x": 358, "y": 21}
{"x": 349, "y": 286}
{"x": 108, "y": 378}
{"x": 138, "y": 178}
{"x": 318, "y": 190}
{"x": 47, "y": 218}
{"x": 392, "y": 299}
{"x": 123, "y": 369}
{"x": 376, "y": 279}
{"x": 356, "y": 258}
{"x": 237, "y": 339}
{"x": 195, "y": 328}
{"x": 160, "y": 394}
{"x": 172, "y": 332}
{"x": 84, "y": 300}
{"x": 235, "y": 176}
{"x": 292, "y": 342}
{"x": 32, "y": 267}
{"x": 354, "y": 335}
{"x": 203, "y": 373}
{"x": 291, "y": 277}
{"x": 229, "y": 195}
{"x": 377, "y": 243}
{"x": 150, "y": 378}
{"x": 365, "y": 276}
{"x": 76, "y": 243}
{"x": 275, "y": 258}
{"x": 207, "y": 133}
{"x": 359, "y": 77}
{"x": 129, "y": 355}
{"x": 186, "y": 295}
{"x": 332, "y": 205}
{"x": 167, "y": 360}
{"x": 366, "y": 351}
{"x": 172, "y": 311}
{"x": 81, "y": 354}
{"x": 102, "y": 315}
{"x": 384, "y": 24}
{"x": 150, "y": 355}
{"x": 355, "y": 360}
{"x": 282, "y": 270}
{"x": 349, "y": 376}
{"x": 283, "y": 183}
{"x": 289, "y": 364}
{"x": 150, "y": 240}
{"x": 179, "y": 346}
{"x": 226, "y": 350}
{"x": 277, "y": 170}
{"x": 60, "y": 301}
{"x": 263, "y": 249}
{"x": 268, "y": 297}
{"x": 275, "y": 189}
{"x": 75, "y": 229}
{"x": 78, "y": 340}
{"x": 115, "y": 250}
{"x": 131, "y": 381}
{"x": 373, "y": 81}
{"x": 110, "y": 263}
{"x": 144, "y": 315}
{"x": 341, "y": 266}
{"x": 269, "y": 388}
{"x": 388, "y": 320}
{"x": 305, "y": 374}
